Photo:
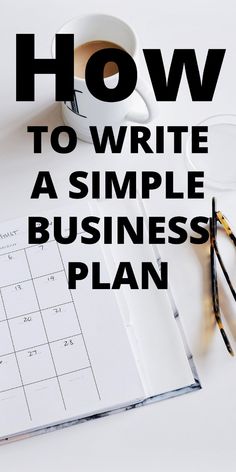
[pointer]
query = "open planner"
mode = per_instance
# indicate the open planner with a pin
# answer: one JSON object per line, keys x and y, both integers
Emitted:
{"x": 69, "y": 355}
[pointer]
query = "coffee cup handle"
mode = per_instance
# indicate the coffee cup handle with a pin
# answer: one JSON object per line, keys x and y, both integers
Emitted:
{"x": 146, "y": 93}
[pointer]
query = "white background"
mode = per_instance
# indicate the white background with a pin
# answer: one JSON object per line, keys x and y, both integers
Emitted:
{"x": 193, "y": 432}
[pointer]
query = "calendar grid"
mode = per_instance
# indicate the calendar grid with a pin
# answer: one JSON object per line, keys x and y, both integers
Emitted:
{"x": 43, "y": 344}
{"x": 94, "y": 378}
{"x": 48, "y": 378}
{"x": 31, "y": 279}
{"x": 54, "y": 365}
{"x": 35, "y": 278}
{"x": 18, "y": 366}
{"x": 42, "y": 309}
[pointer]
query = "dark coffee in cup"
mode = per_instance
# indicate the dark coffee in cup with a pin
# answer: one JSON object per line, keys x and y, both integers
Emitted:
{"x": 83, "y": 52}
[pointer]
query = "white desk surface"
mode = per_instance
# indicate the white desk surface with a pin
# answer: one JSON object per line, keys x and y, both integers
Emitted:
{"x": 193, "y": 432}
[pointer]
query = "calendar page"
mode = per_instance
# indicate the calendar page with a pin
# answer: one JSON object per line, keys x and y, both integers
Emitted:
{"x": 64, "y": 354}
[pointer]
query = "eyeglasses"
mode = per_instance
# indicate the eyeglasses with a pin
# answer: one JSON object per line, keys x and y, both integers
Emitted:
{"x": 217, "y": 216}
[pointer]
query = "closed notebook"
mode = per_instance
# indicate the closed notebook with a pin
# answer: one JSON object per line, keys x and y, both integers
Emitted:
{"x": 71, "y": 355}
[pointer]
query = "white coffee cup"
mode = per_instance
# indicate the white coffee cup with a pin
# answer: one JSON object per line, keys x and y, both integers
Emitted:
{"x": 86, "y": 110}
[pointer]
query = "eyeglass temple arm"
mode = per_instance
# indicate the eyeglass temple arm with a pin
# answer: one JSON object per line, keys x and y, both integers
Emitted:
{"x": 215, "y": 294}
{"x": 224, "y": 270}
{"x": 224, "y": 222}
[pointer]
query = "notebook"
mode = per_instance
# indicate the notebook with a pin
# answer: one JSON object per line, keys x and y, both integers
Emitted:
{"x": 72, "y": 355}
